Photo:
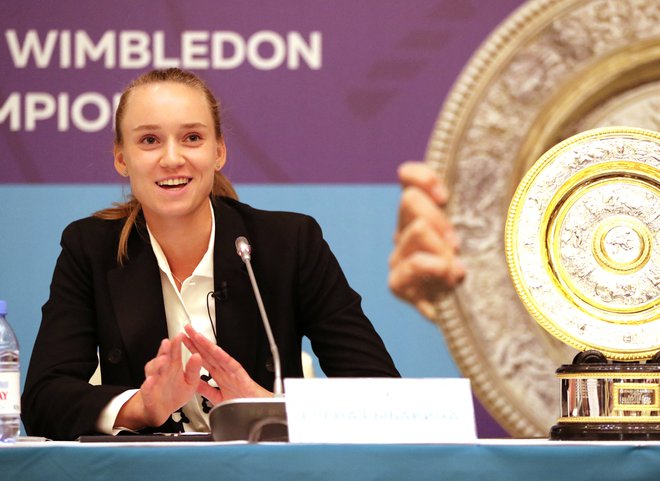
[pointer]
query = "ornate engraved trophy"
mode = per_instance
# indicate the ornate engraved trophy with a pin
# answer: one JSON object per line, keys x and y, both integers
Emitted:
{"x": 583, "y": 250}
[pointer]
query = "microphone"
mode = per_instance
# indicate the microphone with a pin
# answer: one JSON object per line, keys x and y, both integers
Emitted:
{"x": 244, "y": 251}
{"x": 222, "y": 294}
{"x": 253, "y": 419}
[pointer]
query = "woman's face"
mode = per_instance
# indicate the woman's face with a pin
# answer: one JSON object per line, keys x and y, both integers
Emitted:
{"x": 170, "y": 151}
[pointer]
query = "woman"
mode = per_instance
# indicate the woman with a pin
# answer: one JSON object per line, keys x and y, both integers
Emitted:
{"x": 137, "y": 281}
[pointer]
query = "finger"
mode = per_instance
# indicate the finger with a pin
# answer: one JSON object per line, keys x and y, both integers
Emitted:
{"x": 192, "y": 370}
{"x": 426, "y": 308}
{"x": 424, "y": 276}
{"x": 189, "y": 344}
{"x": 149, "y": 368}
{"x": 214, "y": 395}
{"x": 194, "y": 346}
{"x": 208, "y": 361}
{"x": 224, "y": 369}
{"x": 213, "y": 355}
{"x": 193, "y": 340}
{"x": 420, "y": 237}
{"x": 163, "y": 364}
{"x": 163, "y": 349}
{"x": 156, "y": 366}
{"x": 440, "y": 271}
{"x": 422, "y": 176}
{"x": 415, "y": 204}
{"x": 175, "y": 349}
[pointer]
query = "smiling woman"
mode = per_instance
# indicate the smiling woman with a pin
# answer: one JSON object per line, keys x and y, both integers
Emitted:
{"x": 154, "y": 286}
{"x": 162, "y": 100}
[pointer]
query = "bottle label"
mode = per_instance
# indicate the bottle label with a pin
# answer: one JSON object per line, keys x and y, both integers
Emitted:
{"x": 10, "y": 393}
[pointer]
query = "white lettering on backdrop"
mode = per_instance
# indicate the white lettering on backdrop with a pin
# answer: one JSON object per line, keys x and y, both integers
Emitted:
{"x": 136, "y": 49}
{"x": 87, "y": 112}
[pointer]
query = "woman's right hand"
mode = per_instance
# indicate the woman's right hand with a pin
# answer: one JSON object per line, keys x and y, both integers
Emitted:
{"x": 168, "y": 385}
{"x": 425, "y": 259}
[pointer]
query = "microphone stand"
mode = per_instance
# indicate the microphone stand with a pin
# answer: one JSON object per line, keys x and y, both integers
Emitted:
{"x": 244, "y": 251}
{"x": 253, "y": 420}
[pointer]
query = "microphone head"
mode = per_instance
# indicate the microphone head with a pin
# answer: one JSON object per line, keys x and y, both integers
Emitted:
{"x": 243, "y": 248}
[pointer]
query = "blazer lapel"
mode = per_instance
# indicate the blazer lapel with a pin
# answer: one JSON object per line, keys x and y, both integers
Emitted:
{"x": 137, "y": 299}
{"x": 237, "y": 314}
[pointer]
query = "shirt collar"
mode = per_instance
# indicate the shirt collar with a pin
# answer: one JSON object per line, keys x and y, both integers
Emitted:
{"x": 205, "y": 266}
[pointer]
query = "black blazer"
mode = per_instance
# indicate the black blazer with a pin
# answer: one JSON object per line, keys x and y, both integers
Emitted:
{"x": 96, "y": 304}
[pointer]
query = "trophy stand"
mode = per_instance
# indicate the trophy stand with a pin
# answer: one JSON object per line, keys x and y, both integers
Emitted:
{"x": 583, "y": 250}
{"x": 603, "y": 401}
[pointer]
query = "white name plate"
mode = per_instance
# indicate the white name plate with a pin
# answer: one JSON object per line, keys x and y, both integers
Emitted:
{"x": 380, "y": 411}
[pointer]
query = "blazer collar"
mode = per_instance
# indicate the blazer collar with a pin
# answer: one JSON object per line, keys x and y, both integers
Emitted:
{"x": 137, "y": 299}
{"x": 237, "y": 316}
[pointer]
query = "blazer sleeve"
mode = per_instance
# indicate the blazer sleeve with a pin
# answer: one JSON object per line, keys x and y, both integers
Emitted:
{"x": 58, "y": 402}
{"x": 342, "y": 337}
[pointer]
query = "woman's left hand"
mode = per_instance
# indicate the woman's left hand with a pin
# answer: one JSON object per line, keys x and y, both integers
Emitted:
{"x": 233, "y": 381}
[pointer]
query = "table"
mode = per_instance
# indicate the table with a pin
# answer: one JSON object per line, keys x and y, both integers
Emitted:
{"x": 488, "y": 460}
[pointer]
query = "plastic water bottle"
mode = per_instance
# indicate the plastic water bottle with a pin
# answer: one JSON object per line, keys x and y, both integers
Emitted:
{"x": 10, "y": 379}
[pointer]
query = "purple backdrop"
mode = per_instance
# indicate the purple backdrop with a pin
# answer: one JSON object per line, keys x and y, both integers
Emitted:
{"x": 365, "y": 101}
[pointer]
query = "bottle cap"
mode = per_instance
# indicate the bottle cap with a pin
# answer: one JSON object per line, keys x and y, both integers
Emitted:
{"x": 3, "y": 308}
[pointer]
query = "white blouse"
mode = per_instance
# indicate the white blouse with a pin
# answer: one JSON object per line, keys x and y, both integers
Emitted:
{"x": 189, "y": 306}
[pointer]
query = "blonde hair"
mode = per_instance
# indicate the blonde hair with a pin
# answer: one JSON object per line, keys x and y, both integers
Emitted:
{"x": 130, "y": 209}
